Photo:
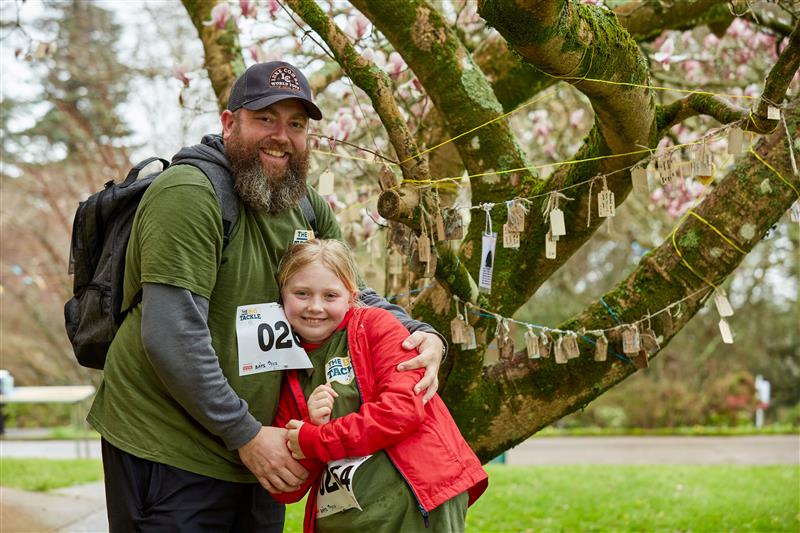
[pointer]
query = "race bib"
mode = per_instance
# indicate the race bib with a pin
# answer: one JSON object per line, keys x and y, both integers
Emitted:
{"x": 265, "y": 340}
{"x": 336, "y": 492}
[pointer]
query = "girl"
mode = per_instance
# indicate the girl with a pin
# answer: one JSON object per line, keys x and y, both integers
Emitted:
{"x": 379, "y": 460}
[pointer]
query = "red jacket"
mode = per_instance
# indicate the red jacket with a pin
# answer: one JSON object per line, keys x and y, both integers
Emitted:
{"x": 422, "y": 441}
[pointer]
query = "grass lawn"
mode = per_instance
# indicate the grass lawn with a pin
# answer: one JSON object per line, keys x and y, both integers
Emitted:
{"x": 48, "y": 474}
{"x": 566, "y": 498}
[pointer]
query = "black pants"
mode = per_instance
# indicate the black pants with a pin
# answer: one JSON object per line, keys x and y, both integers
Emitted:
{"x": 152, "y": 497}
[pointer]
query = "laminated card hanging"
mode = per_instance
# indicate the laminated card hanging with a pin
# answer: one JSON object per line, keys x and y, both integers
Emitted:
{"x": 639, "y": 179}
{"x": 489, "y": 241}
{"x": 605, "y": 202}
{"x": 723, "y": 305}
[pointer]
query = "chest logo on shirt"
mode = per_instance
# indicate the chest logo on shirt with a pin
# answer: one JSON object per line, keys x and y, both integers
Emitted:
{"x": 303, "y": 235}
{"x": 339, "y": 369}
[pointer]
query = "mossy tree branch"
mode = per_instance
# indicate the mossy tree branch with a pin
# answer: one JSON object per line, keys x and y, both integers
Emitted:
{"x": 525, "y": 395}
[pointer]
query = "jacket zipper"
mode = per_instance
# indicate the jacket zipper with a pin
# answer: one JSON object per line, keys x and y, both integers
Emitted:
{"x": 425, "y": 516}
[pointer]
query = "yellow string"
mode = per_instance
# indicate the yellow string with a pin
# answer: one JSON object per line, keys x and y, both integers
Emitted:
{"x": 504, "y": 115}
{"x": 718, "y": 232}
{"x": 787, "y": 182}
{"x": 354, "y": 158}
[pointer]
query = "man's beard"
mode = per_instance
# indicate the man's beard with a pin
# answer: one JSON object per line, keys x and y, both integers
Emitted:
{"x": 259, "y": 190}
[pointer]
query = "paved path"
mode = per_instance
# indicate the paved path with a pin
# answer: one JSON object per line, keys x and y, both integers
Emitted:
{"x": 82, "y": 508}
{"x": 752, "y": 450}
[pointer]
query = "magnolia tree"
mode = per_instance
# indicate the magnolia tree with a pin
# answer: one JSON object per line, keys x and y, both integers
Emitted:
{"x": 689, "y": 105}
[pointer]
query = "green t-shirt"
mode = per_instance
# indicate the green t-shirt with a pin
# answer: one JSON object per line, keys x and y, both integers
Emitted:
{"x": 176, "y": 240}
{"x": 386, "y": 500}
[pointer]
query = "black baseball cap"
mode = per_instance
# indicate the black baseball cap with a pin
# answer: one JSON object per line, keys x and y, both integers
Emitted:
{"x": 263, "y": 84}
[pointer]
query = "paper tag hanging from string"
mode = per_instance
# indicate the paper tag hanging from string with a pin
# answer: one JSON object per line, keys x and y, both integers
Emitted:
{"x": 630, "y": 340}
{"x": 532, "y": 344}
{"x": 487, "y": 254}
{"x": 723, "y": 305}
{"x": 570, "y": 345}
{"x": 605, "y": 202}
{"x": 505, "y": 345}
{"x": 640, "y": 360}
{"x": 558, "y": 351}
{"x": 773, "y": 113}
{"x": 544, "y": 345}
{"x": 469, "y": 332}
{"x": 601, "y": 348}
{"x": 639, "y": 179}
{"x": 510, "y": 237}
{"x": 325, "y": 184}
{"x": 424, "y": 243}
{"x": 439, "y": 223}
{"x": 650, "y": 341}
{"x": 557, "y": 225}
{"x": 735, "y": 140}
{"x": 704, "y": 165}
{"x": 725, "y": 331}
{"x": 549, "y": 246}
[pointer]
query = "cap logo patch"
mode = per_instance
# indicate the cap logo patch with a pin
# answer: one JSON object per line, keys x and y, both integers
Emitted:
{"x": 284, "y": 78}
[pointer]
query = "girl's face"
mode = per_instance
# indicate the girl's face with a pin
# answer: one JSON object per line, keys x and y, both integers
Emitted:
{"x": 315, "y": 302}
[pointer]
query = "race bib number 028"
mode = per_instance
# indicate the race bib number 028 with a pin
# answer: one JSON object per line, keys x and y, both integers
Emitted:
{"x": 265, "y": 340}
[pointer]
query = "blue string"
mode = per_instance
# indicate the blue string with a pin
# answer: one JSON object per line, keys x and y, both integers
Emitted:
{"x": 409, "y": 293}
{"x": 610, "y": 311}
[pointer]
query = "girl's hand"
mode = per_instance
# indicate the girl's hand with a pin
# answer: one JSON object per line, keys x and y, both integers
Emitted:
{"x": 320, "y": 404}
{"x": 293, "y": 439}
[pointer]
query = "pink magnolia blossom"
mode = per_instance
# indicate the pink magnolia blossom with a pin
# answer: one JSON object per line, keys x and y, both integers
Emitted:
{"x": 376, "y": 56}
{"x": 395, "y": 65}
{"x": 359, "y": 25}
{"x": 248, "y": 8}
{"x": 220, "y": 15}
{"x": 181, "y": 72}
{"x": 665, "y": 54}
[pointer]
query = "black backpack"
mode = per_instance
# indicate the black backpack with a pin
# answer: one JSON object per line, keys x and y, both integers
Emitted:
{"x": 100, "y": 234}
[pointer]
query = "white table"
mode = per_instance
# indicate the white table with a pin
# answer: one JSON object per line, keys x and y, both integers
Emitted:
{"x": 69, "y": 394}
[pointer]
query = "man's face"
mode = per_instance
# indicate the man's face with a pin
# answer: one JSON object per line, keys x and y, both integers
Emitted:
{"x": 268, "y": 155}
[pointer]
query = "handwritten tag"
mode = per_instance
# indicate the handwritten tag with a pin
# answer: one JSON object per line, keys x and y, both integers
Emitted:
{"x": 516, "y": 216}
{"x": 665, "y": 172}
{"x": 424, "y": 247}
{"x": 605, "y": 203}
{"x": 630, "y": 340}
{"x": 773, "y": 113}
{"x": 601, "y": 349}
{"x": 510, "y": 237}
{"x": 723, "y": 305}
{"x": 725, "y": 331}
{"x": 325, "y": 185}
{"x": 439, "y": 223}
{"x": 453, "y": 225}
{"x": 549, "y": 246}
{"x": 544, "y": 345}
{"x": 570, "y": 346}
{"x": 386, "y": 179}
{"x": 487, "y": 262}
{"x": 650, "y": 342}
{"x": 458, "y": 333}
{"x": 559, "y": 352}
{"x": 557, "y": 226}
{"x": 532, "y": 344}
{"x": 735, "y": 140}
{"x": 640, "y": 360}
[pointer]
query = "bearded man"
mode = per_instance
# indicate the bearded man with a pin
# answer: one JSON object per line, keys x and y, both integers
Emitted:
{"x": 187, "y": 442}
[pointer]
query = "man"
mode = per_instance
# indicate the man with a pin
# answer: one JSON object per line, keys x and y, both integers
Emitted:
{"x": 186, "y": 438}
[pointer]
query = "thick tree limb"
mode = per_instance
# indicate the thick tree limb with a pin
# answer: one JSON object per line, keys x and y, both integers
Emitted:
{"x": 525, "y": 396}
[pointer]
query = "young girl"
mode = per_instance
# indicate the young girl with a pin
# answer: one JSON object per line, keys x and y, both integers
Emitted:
{"x": 379, "y": 459}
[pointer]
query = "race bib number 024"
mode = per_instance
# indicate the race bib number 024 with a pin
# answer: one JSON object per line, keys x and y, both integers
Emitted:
{"x": 265, "y": 340}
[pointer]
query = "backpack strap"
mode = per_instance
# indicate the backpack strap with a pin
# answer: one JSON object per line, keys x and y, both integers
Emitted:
{"x": 133, "y": 174}
{"x": 228, "y": 199}
{"x": 308, "y": 211}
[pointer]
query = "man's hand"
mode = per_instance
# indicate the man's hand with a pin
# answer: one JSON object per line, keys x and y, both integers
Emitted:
{"x": 268, "y": 459}
{"x": 293, "y": 439}
{"x": 320, "y": 404}
{"x": 431, "y": 351}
